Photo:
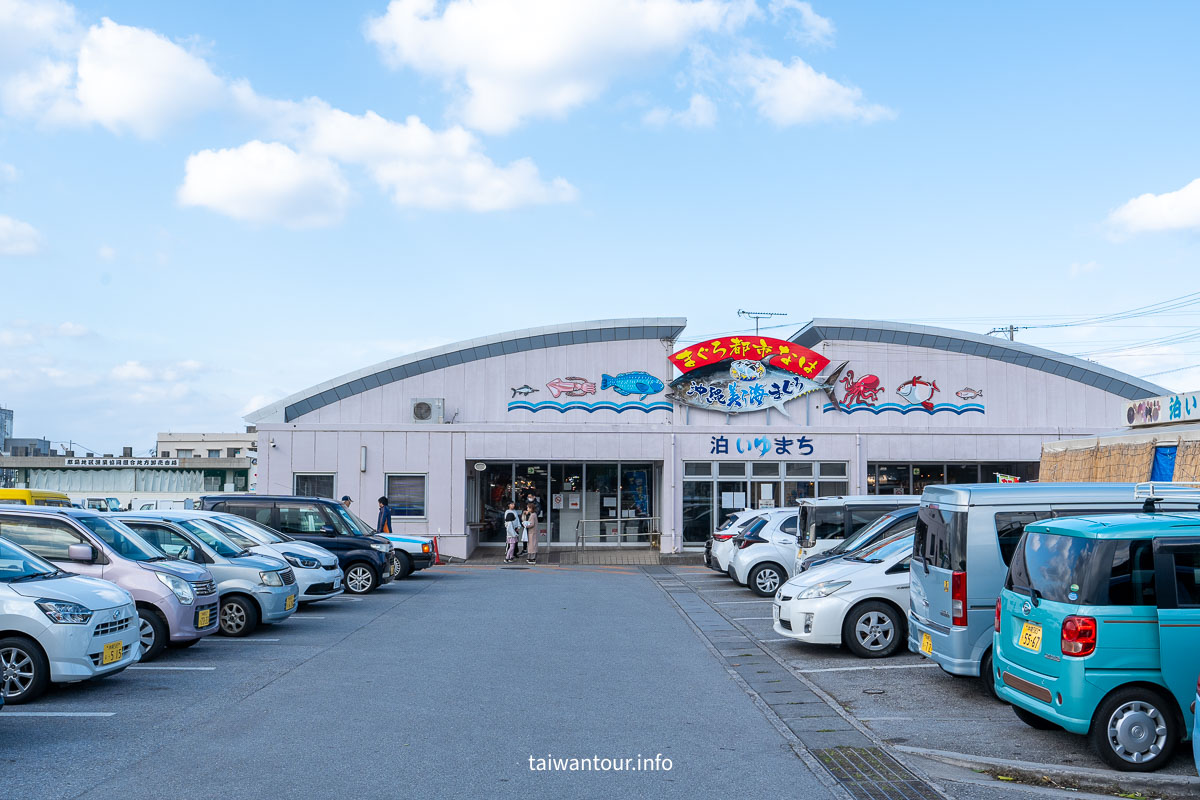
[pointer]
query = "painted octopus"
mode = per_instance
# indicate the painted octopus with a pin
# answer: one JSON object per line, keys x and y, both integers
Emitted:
{"x": 865, "y": 390}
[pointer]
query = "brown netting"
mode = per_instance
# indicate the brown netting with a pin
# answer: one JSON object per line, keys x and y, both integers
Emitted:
{"x": 1124, "y": 463}
{"x": 1068, "y": 466}
{"x": 1187, "y": 461}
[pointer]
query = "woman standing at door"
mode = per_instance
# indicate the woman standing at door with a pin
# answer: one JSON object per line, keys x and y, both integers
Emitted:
{"x": 530, "y": 521}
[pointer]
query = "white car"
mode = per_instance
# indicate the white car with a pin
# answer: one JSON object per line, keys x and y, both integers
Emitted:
{"x": 318, "y": 576}
{"x": 724, "y": 534}
{"x": 58, "y": 627}
{"x": 859, "y": 601}
{"x": 766, "y": 551}
{"x": 723, "y": 549}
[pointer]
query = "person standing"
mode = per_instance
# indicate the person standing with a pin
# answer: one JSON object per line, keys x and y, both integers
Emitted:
{"x": 530, "y": 523}
{"x": 346, "y": 501}
{"x": 384, "y": 524}
{"x": 512, "y": 532}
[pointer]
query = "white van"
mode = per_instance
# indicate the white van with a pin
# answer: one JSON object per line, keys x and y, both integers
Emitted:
{"x": 826, "y": 521}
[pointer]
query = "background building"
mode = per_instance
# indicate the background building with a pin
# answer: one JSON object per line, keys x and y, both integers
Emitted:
{"x": 604, "y": 423}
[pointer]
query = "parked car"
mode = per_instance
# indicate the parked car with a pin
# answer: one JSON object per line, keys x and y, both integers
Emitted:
{"x": 965, "y": 537}
{"x": 176, "y": 600}
{"x": 765, "y": 551}
{"x": 58, "y": 627}
{"x": 858, "y": 600}
{"x": 318, "y": 575}
{"x": 366, "y": 560}
{"x": 409, "y": 553}
{"x": 723, "y": 549}
{"x": 253, "y": 589}
{"x": 827, "y": 521}
{"x": 34, "y": 497}
{"x": 1097, "y": 631}
{"x": 724, "y": 533}
{"x": 102, "y": 504}
{"x": 886, "y": 527}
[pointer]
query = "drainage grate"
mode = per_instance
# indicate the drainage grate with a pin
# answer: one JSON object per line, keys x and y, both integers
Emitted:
{"x": 868, "y": 773}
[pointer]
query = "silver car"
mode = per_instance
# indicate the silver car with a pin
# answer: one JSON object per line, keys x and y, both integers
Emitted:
{"x": 252, "y": 588}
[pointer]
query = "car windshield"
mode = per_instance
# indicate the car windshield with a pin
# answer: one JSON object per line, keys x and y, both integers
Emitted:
{"x": 863, "y": 537}
{"x": 1092, "y": 572}
{"x": 233, "y": 534}
{"x": 357, "y": 526}
{"x": 755, "y": 527}
{"x": 734, "y": 519}
{"x": 249, "y": 529}
{"x": 121, "y": 539}
{"x": 889, "y": 548}
{"x": 212, "y": 537}
{"x": 19, "y": 564}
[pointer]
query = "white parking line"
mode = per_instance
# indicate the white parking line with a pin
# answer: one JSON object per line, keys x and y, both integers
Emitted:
{"x": 305, "y": 616}
{"x": 785, "y": 639}
{"x": 743, "y": 619}
{"x": 173, "y": 669}
{"x": 861, "y": 669}
{"x": 716, "y": 591}
{"x": 256, "y": 640}
{"x": 8, "y": 714}
{"x": 731, "y": 602}
{"x": 345, "y": 599}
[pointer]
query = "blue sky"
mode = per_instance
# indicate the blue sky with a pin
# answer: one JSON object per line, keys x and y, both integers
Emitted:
{"x": 204, "y": 207}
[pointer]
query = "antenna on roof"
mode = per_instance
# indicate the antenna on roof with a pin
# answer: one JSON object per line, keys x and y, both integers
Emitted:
{"x": 757, "y": 315}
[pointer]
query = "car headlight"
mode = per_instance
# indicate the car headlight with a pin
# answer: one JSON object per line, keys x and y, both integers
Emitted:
{"x": 178, "y": 586}
{"x": 270, "y": 578}
{"x": 302, "y": 562}
{"x": 64, "y": 612}
{"x": 823, "y": 589}
{"x": 383, "y": 548}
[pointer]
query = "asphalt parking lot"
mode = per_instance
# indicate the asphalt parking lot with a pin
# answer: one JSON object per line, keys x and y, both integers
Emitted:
{"x": 447, "y": 683}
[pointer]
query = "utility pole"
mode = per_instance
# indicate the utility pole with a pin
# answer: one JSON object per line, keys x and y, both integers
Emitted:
{"x": 1010, "y": 331}
{"x": 757, "y": 315}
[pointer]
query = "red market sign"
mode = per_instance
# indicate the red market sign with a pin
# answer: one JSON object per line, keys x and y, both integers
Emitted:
{"x": 776, "y": 352}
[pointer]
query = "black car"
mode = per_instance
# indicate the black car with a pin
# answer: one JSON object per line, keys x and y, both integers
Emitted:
{"x": 367, "y": 561}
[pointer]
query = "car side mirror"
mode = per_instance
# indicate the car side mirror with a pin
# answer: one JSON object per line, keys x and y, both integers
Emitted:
{"x": 83, "y": 553}
{"x": 807, "y": 540}
{"x": 328, "y": 530}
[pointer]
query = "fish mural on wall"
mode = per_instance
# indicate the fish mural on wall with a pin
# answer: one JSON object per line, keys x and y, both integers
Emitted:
{"x": 918, "y": 392}
{"x": 524, "y": 391}
{"x": 967, "y": 393}
{"x": 631, "y": 383}
{"x": 571, "y": 386}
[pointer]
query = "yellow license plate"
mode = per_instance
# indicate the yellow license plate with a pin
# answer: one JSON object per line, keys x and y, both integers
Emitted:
{"x": 1031, "y": 636}
{"x": 926, "y": 643}
{"x": 203, "y": 618}
{"x": 112, "y": 653}
{"x": 290, "y": 603}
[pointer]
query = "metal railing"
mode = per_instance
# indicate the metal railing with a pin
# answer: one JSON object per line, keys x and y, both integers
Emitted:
{"x": 581, "y": 534}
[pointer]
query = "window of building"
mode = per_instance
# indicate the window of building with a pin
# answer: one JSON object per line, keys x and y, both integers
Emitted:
{"x": 697, "y": 469}
{"x": 913, "y": 478}
{"x": 731, "y": 468}
{"x": 313, "y": 485}
{"x": 406, "y": 495}
{"x": 183, "y": 453}
{"x": 214, "y": 480}
{"x": 214, "y": 453}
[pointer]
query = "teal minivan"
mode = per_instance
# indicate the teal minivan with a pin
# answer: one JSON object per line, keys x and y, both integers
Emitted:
{"x": 1097, "y": 631}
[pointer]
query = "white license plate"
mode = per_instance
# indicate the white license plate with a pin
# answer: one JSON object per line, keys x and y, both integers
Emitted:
{"x": 775, "y": 611}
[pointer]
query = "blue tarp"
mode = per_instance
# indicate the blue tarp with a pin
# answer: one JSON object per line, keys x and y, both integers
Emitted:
{"x": 1164, "y": 464}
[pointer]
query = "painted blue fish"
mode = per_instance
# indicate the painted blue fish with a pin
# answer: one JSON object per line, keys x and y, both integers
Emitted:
{"x": 629, "y": 383}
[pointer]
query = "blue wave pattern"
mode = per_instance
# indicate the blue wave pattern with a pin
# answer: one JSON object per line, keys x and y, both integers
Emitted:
{"x": 578, "y": 405}
{"x": 907, "y": 409}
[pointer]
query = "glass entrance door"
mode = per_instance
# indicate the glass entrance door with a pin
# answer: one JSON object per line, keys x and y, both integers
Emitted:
{"x": 637, "y": 503}
{"x": 732, "y": 498}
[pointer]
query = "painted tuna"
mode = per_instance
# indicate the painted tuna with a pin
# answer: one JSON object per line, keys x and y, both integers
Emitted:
{"x": 630, "y": 383}
{"x": 746, "y": 370}
{"x": 918, "y": 392}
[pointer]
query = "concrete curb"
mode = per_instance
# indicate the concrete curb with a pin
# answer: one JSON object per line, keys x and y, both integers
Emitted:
{"x": 1177, "y": 787}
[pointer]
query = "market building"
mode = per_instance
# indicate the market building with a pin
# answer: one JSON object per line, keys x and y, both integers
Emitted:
{"x": 625, "y": 436}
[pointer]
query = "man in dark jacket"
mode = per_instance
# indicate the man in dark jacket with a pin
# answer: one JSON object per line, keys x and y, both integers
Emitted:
{"x": 384, "y": 525}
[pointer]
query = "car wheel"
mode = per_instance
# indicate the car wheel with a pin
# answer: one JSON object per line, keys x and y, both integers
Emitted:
{"x": 182, "y": 645}
{"x": 152, "y": 631}
{"x": 873, "y": 630}
{"x": 239, "y": 616}
{"x": 24, "y": 671}
{"x": 1033, "y": 720}
{"x": 402, "y": 565}
{"x": 987, "y": 674}
{"x": 1135, "y": 730}
{"x": 765, "y": 579}
{"x": 360, "y": 578}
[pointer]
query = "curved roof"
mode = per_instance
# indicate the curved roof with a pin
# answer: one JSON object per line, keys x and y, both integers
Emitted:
{"x": 352, "y": 383}
{"x": 975, "y": 344}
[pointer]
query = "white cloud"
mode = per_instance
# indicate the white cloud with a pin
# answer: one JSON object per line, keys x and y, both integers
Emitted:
{"x": 1171, "y": 211}
{"x": 36, "y": 27}
{"x": 700, "y": 113}
{"x": 1078, "y": 269}
{"x": 513, "y": 59}
{"x": 266, "y": 182}
{"x": 72, "y": 329}
{"x": 106, "y": 252}
{"x": 15, "y": 338}
{"x": 121, "y": 77}
{"x": 132, "y": 371}
{"x": 813, "y": 29}
{"x": 797, "y": 94}
{"x": 18, "y": 238}
{"x": 8, "y": 173}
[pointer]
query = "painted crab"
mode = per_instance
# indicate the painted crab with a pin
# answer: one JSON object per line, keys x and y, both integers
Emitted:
{"x": 864, "y": 390}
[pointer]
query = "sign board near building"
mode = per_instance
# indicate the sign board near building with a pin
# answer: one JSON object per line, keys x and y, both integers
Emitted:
{"x": 1183, "y": 407}
{"x": 116, "y": 463}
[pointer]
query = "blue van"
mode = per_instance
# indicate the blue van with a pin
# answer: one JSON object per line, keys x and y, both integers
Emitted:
{"x": 965, "y": 537}
{"x": 1097, "y": 631}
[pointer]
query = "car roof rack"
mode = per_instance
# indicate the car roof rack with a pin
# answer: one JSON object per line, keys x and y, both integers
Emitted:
{"x": 1151, "y": 492}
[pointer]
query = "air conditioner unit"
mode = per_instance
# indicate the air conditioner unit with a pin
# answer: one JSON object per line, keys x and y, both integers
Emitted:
{"x": 428, "y": 409}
